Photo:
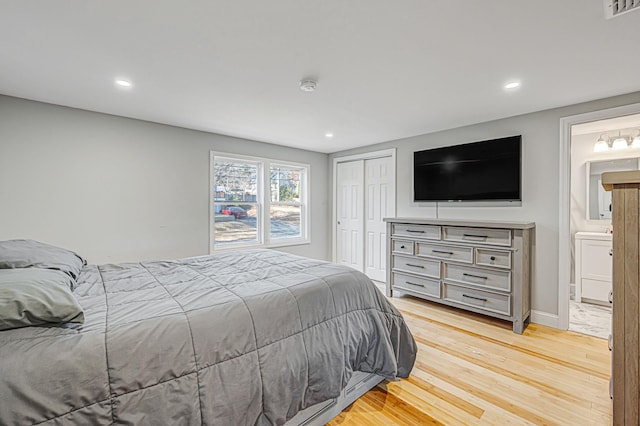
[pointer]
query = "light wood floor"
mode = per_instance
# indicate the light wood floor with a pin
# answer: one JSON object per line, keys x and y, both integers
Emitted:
{"x": 473, "y": 370}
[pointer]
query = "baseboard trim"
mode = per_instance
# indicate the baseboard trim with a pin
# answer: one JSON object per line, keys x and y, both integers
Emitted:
{"x": 544, "y": 318}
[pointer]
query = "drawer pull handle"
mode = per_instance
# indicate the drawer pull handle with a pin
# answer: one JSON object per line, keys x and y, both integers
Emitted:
{"x": 475, "y": 276}
{"x": 417, "y": 285}
{"x": 610, "y": 297}
{"x": 443, "y": 252}
{"x": 415, "y": 266}
{"x": 474, "y": 297}
{"x": 611, "y": 252}
{"x": 417, "y": 231}
{"x": 474, "y": 236}
{"x": 401, "y": 246}
{"x": 493, "y": 258}
{"x": 610, "y": 342}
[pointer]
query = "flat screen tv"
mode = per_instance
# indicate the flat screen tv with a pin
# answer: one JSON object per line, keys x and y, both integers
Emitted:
{"x": 481, "y": 171}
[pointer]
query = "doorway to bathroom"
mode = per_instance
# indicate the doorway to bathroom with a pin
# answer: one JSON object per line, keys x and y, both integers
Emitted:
{"x": 596, "y": 147}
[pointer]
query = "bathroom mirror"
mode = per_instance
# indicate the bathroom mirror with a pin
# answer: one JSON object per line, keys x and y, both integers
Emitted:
{"x": 599, "y": 200}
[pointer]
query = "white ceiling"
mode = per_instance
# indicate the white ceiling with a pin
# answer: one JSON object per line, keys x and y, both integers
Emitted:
{"x": 385, "y": 69}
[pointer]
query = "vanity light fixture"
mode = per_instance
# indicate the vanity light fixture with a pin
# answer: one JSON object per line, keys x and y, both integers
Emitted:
{"x": 619, "y": 143}
{"x": 636, "y": 141}
{"x": 602, "y": 144}
{"x": 616, "y": 143}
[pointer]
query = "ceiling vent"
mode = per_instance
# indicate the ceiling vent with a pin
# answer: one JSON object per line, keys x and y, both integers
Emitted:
{"x": 613, "y": 8}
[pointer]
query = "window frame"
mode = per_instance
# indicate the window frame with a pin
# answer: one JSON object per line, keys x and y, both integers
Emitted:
{"x": 263, "y": 203}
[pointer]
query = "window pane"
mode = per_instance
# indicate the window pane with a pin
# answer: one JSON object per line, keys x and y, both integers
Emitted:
{"x": 236, "y": 223}
{"x": 285, "y": 184}
{"x": 285, "y": 221}
{"x": 235, "y": 180}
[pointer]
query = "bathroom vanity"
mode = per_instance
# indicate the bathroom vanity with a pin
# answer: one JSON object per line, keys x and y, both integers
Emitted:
{"x": 593, "y": 267}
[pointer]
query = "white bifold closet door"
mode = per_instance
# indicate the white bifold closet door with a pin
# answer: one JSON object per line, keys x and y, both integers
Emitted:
{"x": 350, "y": 214}
{"x": 366, "y": 195}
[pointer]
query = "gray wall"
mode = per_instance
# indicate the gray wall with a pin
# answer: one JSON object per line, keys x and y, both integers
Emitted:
{"x": 115, "y": 189}
{"x": 540, "y": 180}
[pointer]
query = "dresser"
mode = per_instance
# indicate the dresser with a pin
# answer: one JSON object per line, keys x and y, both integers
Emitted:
{"x": 593, "y": 267}
{"x": 626, "y": 298}
{"x": 479, "y": 266}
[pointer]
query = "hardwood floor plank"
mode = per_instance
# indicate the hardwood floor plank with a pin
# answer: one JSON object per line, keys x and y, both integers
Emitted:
{"x": 523, "y": 348}
{"x": 517, "y": 367}
{"x": 472, "y": 369}
{"x": 446, "y": 396}
{"x": 441, "y": 410}
{"x": 399, "y": 410}
{"x": 494, "y": 391}
{"x": 490, "y": 411}
{"x": 380, "y": 407}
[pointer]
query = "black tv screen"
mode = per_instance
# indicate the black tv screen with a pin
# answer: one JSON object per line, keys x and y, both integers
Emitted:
{"x": 480, "y": 171}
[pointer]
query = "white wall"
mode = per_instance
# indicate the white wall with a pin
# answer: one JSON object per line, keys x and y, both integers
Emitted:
{"x": 116, "y": 189}
{"x": 540, "y": 195}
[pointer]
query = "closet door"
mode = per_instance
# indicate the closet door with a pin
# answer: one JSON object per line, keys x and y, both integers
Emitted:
{"x": 365, "y": 196}
{"x": 379, "y": 202}
{"x": 350, "y": 214}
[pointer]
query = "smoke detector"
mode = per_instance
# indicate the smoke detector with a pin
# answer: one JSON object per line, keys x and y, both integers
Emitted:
{"x": 613, "y": 8}
{"x": 308, "y": 85}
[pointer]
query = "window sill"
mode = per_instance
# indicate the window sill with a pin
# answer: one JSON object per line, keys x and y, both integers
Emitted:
{"x": 277, "y": 244}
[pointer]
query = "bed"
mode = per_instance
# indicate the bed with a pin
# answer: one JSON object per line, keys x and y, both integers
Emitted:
{"x": 253, "y": 337}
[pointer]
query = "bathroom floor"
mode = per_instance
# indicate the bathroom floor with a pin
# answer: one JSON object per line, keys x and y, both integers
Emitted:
{"x": 586, "y": 318}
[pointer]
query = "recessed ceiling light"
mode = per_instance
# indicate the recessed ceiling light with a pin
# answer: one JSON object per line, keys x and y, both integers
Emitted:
{"x": 512, "y": 85}
{"x": 328, "y": 135}
{"x": 123, "y": 83}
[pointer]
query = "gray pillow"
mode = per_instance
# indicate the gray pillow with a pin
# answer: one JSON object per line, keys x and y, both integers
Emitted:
{"x": 30, "y": 253}
{"x": 32, "y": 296}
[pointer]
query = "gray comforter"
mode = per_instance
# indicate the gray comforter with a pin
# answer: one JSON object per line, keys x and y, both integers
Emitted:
{"x": 240, "y": 338}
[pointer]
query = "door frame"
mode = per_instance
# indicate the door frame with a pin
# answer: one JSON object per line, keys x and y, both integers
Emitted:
{"x": 564, "y": 230}
{"x": 364, "y": 156}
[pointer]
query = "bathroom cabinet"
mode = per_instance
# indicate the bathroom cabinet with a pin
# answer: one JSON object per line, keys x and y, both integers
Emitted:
{"x": 593, "y": 267}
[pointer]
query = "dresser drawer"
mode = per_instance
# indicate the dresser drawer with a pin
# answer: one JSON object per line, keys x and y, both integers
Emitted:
{"x": 488, "y": 301}
{"x": 402, "y": 246}
{"x": 496, "y": 280}
{"x": 436, "y": 251}
{"x": 425, "y": 286}
{"x": 431, "y": 232}
{"x": 494, "y": 237}
{"x": 493, "y": 258}
{"x": 429, "y": 268}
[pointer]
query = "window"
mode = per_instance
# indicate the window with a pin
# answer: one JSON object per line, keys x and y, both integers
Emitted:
{"x": 257, "y": 202}
{"x": 236, "y": 204}
{"x": 286, "y": 207}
